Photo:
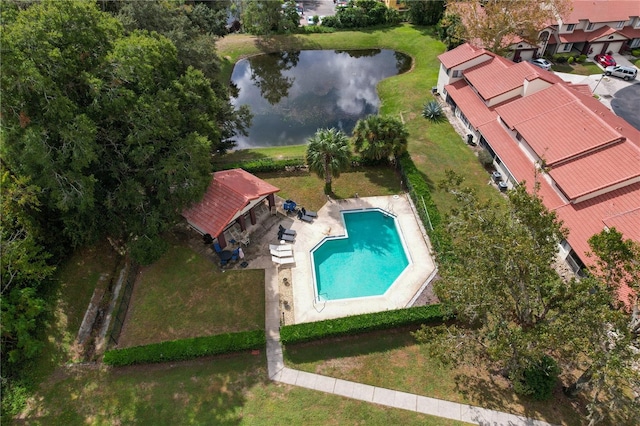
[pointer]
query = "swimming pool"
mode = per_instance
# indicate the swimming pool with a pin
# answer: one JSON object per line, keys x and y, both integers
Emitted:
{"x": 364, "y": 262}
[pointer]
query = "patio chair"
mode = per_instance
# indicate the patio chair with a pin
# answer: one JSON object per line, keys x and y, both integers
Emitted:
{"x": 280, "y": 247}
{"x": 281, "y": 253}
{"x": 309, "y": 213}
{"x": 217, "y": 248}
{"x": 283, "y": 260}
{"x": 287, "y": 231}
{"x": 304, "y": 217}
{"x": 285, "y": 237}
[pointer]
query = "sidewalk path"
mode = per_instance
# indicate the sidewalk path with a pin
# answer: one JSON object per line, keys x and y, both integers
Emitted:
{"x": 376, "y": 395}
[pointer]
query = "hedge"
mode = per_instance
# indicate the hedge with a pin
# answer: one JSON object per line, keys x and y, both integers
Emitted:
{"x": 305, "y": 332}
{"x": 177, "y": 350}
{"x": 419, "y": 190}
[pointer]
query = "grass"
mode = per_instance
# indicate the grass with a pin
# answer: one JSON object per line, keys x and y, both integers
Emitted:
{"x": 185, "y": 295}
{"x": 208, "y": 391}
{"x": 366, "y": 181}
{"x": 585, "y": 68}
{"x": 408, "y": 367}
{"x": 433, "y": 147}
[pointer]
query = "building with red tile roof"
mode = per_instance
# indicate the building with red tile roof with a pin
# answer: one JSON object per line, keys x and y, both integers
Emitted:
{"x": 592, "y": 27}
{"x": 231, "y": 198}
{"x": 583, "y": 161}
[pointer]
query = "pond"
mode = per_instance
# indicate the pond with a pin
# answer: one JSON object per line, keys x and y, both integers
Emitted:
{"x": 293, "y": 94}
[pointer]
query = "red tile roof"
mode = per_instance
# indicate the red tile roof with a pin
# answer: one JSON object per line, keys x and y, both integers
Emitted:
{"x": 566, "y": 129}
{"x": 589, "y": 217}
{"x": 228, "y": 194}
{"x": 518, "y": 164}
{"x": 602, "y": 10}
{"x": 630, "y": 32}
{"x": 512, "y": 76}
{"x": 474, "y": 109}
{"x": 461, "y": 54}
{"x": 611, "y": 166}
{"x": 580, "y": 35}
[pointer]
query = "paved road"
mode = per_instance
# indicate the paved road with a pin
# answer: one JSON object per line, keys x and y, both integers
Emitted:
{"x": 626, "y": 104}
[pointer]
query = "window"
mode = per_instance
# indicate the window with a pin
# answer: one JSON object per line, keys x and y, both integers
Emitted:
{"x": 590, "y": 26}
{"x": 566, "y": 47}
{"x": 620, "y": 24}
{"x": 570, "y": 27}
{"x": 457, "y": 73}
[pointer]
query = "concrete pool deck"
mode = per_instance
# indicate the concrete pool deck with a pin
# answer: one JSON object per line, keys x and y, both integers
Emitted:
{"x": 329, "y": 223}
{"x": 308, "y": 236}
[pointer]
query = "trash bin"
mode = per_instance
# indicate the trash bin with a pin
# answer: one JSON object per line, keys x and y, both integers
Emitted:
{"x": 434, "y": 89}
{"x": 470, "y": 140}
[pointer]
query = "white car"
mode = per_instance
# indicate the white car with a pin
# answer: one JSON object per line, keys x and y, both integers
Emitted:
{"x": 542, "y": 63}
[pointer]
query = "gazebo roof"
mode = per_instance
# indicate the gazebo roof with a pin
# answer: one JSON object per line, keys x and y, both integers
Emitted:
{"x": 228, "y": 194}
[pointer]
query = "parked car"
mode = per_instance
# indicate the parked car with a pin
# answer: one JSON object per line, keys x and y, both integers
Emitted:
{"x": 605, "y": 60}
{"x": 542, "y": 63}
{"x": 625, "y": 73}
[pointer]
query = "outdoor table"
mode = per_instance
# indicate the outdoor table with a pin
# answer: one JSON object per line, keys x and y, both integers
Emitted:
{"x": 225, "y": 255}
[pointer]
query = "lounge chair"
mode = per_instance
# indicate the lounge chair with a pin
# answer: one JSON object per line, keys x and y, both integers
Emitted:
{"x": 217, "y": 248}
{"x": 308, "y": 213}
{"x": 282, "y": 260}
{"x": 287, "y": 231}
{"x": 281, "y": 253}
{"x": 285, "y": 237}
{"x": 280, "y": 247}
{"x": 304, "y": 217}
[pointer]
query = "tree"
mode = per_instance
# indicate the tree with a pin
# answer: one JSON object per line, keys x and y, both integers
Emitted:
{"x": 512, "y": 308}
{"x": 265, "y": 17}
{"x": 24, "y": 272}
{"x": 328, "y": 154}
{"x": 494, "y": 23}
{"x": 425, "y": 12}
{"x": 610, "y": 355}
{"x": 114, "y": 129}
{"x": 450, "y": 30}
{"x": 378, "y": 138}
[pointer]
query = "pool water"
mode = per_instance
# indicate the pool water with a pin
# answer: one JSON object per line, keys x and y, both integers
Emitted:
{"x": 366, "y": 263}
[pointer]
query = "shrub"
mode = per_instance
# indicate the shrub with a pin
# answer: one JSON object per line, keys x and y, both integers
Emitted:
{"x": 537, "y": 380}
{"x": 570, "y": 60}
{"x": 146, "y": 250}
{"x": 262, "y": 165}
{"x": 559, "y": 59}
{"x": 636, "y": 53}
{"x": 306, "y": 332}
{"x": 485, "y": 158}
{"x": 580, "y": 59}
{"x": 432, "y": 111}
{"x": 177, "y": 350}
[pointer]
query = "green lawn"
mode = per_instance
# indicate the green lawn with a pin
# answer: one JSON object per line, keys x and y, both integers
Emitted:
{"x": 308, "y": 188}
{"x": 185, "y": 294}
{"x": 408, "y": 367}
{"x": 585, "y": 68}
{"x": 208, "y": 391}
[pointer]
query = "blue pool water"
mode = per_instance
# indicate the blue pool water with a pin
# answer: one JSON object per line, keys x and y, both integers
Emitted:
{"x": 364, "y": 264}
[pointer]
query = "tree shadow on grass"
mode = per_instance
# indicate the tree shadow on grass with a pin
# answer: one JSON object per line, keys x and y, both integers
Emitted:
{"x": 279, "y": 43}
{"x": 494, "y": 392}
{"x": 350, "y": 346}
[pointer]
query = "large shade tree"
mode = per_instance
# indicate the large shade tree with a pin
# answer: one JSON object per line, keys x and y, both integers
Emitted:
{"x": 380, "y": 137}
{"x": 113, "y": 127}
{"x": 496, "y": 23}
{"x": 512, "y": 308}
{"x": 328, "y": 154}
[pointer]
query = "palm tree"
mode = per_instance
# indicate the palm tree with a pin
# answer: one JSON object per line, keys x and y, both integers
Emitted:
{"x": 328, "y": 154}
{"x": 378, "y": 138}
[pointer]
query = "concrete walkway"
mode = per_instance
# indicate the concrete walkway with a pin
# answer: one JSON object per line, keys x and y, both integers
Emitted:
{"x": 376, "y": 395}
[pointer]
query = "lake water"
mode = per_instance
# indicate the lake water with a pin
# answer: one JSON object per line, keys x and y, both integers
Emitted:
{"x": 293, "y": 94}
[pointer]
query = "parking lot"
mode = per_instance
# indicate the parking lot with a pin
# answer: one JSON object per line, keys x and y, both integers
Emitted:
{"x": 317, "y": 7}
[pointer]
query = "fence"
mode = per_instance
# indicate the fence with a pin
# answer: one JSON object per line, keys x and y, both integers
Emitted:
{"x": 123, "y": 306}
